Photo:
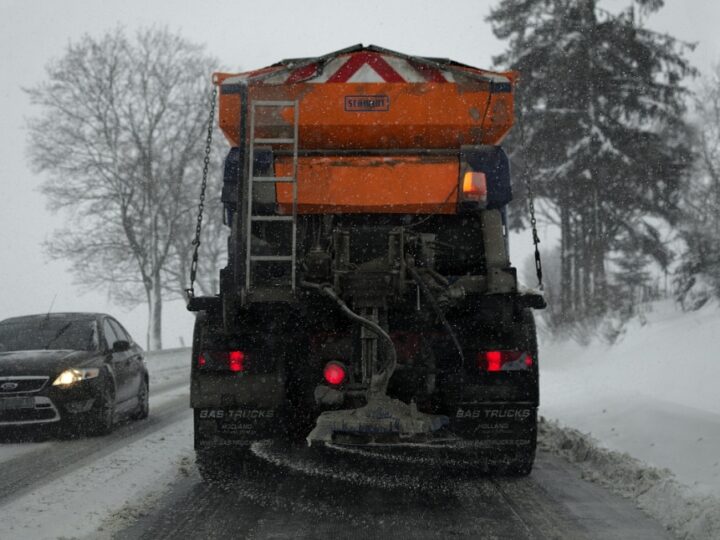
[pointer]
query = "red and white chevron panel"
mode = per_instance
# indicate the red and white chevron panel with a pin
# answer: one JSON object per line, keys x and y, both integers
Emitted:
{"x": 361, "y": 67}
{"x": 366, "y": 67}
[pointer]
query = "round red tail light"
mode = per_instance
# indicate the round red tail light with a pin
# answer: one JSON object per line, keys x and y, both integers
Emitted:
{"x": 236, "y": 360}
{"x": 334, "y": 373}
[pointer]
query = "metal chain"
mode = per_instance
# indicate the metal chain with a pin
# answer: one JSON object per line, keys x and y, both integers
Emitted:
{"x": 201, "y": 205}
{"x": 536, "y": 238}
{"x": 531, "y": 201}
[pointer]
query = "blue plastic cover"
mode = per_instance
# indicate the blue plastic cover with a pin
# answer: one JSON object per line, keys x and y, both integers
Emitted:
{"x": 492, "y": 161}
{"x": 263, "y": 159}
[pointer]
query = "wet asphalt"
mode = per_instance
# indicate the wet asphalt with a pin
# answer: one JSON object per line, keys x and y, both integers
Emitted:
{"x": 283, "y": 491}
{"x": 280, "y": 491}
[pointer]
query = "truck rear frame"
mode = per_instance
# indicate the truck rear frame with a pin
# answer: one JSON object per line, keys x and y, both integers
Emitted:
{"x": 394, "y": 293}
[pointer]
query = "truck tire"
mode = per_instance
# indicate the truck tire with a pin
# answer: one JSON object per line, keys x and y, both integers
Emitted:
{"x": 526, "y": 340}
{"x": 216, "y": 464}
{"x": 222, "y": 465}
{"x": 212, "y": 465}
{"x": 201, "y": 330}
{"x": 504, "y": 458}
{"x": 522, "y": 465}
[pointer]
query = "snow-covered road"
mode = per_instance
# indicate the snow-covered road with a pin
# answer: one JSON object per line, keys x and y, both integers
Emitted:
{"x": 653, "y": 396}
{"x": 69, "y": 488}
{"x": 141, "y": 482}
{"x": 303, "y": 493}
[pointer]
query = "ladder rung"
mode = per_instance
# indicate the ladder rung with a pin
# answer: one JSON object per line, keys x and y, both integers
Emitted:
{"x": 285, "y": 290}
{"x": 270, "y": 294}
{"x": 274, "y": 103}
{"x": 272, "y": 179}
{"x": 270, "y": 258}
{"x": 279, "y": 140}
{"x": 271, "y": 218}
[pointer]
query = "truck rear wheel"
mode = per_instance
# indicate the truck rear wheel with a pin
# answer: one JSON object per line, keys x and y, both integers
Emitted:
{"x": 220, "y": 464}
{"x": 507, "y": 459}
{"x": 208, "y": 466}
{"x": 210, "y": 461}
{"x": 522, "y": 465}
{"x": 506, "y": 431}
{"x": 527, "y": 340}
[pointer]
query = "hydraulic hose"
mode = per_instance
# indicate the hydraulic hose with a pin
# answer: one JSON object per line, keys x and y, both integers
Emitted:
{"x": 436, "y": 308}
{"x": 379, "y": 382}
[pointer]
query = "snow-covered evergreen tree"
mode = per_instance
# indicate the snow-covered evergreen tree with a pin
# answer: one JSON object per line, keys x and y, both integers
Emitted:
{"x": 599, "y": 103}
{"x": 698, "y": 276}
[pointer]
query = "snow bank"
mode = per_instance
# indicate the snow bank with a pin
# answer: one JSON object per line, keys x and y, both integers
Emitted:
{"x": 160, "y": 364}
{"x": 13, "y": 450}
{"x": 109, "y": 491}
{"x": 655, "y": 491}
{"x": 673, "y": 356}
{"x": 652, "y": 396}
{"x": 79, "y": 503}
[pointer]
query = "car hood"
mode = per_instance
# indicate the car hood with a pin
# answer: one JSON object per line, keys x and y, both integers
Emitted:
{"x": 48, "y": 363}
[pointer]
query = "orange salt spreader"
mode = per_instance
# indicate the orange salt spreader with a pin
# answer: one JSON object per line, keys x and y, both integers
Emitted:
{"x": 378, "y": 131}
{"x": 368, "y": 290}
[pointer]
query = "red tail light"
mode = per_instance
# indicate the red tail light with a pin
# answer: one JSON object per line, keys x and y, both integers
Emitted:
{"x": 493, "y": 360}
{"x": 222, "y": 361}
{"x": 504, "y": 360}
{"x": 236, "y": 361}
{"x": 334, "y": 373}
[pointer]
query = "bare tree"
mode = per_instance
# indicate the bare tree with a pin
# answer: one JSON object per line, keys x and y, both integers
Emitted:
{"x": 213, "y": 240}
{"x": 120, "y": 135}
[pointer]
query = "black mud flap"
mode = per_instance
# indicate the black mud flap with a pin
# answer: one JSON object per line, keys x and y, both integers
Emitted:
{"x": 216, "y": 427}
{"x": 504, "y": 427}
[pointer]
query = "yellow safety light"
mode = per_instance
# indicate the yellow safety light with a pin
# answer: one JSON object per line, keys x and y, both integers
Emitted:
{"x": 474, "y": 186}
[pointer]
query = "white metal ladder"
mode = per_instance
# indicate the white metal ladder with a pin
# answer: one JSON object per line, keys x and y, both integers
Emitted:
{"x": 252, "y": 180}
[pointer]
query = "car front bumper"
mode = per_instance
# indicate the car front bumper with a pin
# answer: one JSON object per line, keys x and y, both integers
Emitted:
{"x": 39, "y": 402}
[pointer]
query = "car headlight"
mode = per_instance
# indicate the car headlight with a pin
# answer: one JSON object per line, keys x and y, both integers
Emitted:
{"x": 74, "y": 375}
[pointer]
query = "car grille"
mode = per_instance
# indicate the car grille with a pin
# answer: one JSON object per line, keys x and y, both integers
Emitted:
{"x": 28, "y": 415}
{"x": 42, "y": 412}
{"x": 18, "y": 385}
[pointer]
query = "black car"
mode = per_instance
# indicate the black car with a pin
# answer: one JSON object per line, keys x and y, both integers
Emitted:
{"x": 81, "y": 370}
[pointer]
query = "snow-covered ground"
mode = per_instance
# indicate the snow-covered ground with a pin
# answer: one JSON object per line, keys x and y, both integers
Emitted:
{"x": 80, "y": 503}
{"x": 167, "y": 365}
{"x": 653, "y": 395}
{"x": 135, "y": 472}
{"x": 648, "y": 405}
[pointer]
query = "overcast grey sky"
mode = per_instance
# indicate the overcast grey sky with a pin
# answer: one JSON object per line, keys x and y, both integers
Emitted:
{"x": 242, "y": 34}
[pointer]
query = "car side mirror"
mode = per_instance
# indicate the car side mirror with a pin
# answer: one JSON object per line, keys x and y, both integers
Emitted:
{"x": 121, "y": 346}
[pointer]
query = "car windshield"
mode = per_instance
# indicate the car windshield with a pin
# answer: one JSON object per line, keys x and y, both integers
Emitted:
{"x": 38, "y": 334}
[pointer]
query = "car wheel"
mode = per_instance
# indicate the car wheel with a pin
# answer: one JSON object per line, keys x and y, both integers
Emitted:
{"x": 103, "y": 416}
{"x": 143, "y": 408}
